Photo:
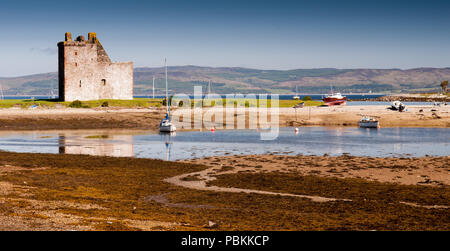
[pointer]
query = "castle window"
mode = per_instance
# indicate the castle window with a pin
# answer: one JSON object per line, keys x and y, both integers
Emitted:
{"x": 76, "y": 64}
{"x": 80, "y": 83}
{"x": 76, "y": 53}
{"x": 103, "y": 81}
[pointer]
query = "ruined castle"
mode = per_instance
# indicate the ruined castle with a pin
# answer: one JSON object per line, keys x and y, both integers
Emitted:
{"x": 87, "y": 73}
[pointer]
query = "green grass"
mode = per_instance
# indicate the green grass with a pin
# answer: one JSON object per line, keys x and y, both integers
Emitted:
{"x": 292, "y": 103}
{"x": 135, "y": 103}
{"x": 254, "y": 103}
{"x": 97, "y": 137}
{"x": 140, "y": 103}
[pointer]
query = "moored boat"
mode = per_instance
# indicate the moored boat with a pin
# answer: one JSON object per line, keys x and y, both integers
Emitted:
{"x": 369, "y": 122}
{"x": 166, "y": 124}
{"x": 397, "y": 106}
{"x": 335, "y": 99}
{"x": 296, "y": 97}
{"x": 299, "y": 105}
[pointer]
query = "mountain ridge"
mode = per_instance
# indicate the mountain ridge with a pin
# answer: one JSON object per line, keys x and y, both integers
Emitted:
{"x": 247, "y": 80}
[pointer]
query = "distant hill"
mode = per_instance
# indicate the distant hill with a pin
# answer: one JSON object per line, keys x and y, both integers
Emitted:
{"x": 243, "y": 80}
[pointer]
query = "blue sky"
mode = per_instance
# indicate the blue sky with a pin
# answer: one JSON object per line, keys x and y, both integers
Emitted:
{"x": 246, "y": 33}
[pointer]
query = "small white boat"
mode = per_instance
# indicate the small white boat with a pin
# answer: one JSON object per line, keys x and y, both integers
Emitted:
{"x": 368, "y": 122}
{"x": 299, "y": 105}
{"x": 166, "y": 124}
{"x": 296, "y": 97}
{"x": 398, "y": 106}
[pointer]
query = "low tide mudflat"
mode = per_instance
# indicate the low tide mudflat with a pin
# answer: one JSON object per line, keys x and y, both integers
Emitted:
{"x": 78, "y": 192}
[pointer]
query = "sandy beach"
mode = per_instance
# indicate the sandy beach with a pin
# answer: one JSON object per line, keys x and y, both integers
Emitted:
{"x": 72, "y": 118}
{"x": 415, "y": 116}
{"x": 116, "y": 118}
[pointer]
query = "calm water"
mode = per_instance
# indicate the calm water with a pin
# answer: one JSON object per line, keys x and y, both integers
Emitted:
{"x": 353, "y": 103}
{"x": 184, "y": 145}
{"x": 291, "y": 96}
{"x": 281, "y": 97}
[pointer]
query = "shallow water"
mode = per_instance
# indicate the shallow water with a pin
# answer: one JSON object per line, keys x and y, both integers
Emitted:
{"x": 334, "y": 141}
{"x": 354, "y": 103}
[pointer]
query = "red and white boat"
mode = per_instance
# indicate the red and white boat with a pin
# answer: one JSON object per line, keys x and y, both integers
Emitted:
{"x": 335, "y": 99}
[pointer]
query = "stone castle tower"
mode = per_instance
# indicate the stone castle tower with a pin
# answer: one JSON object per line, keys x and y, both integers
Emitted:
{"x": 87, "y": 73}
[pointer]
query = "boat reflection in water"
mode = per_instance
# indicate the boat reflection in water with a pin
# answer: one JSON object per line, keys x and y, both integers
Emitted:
{"x": 168, "y": 142}
{"x": 103, "y": 145}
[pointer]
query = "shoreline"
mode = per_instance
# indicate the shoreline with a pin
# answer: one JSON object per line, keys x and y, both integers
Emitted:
{"x": 149, "y": 118}
{"x": 412, "y": 98}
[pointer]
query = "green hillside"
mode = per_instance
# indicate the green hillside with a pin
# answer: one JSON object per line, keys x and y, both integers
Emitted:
{"x": 242, "y": 80}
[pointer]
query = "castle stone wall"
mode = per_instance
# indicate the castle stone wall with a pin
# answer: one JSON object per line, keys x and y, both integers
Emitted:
{"x": 87, "y": 73}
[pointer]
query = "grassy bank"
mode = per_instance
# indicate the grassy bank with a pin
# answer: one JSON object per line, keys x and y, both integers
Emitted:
{"x": 139, "y": 103}
{"x": 47, "y": 103}
{"x": 250, "y": 103}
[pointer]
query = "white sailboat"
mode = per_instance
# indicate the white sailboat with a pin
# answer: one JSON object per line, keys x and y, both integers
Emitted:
{"x": 2, "y": 97}
{"x": 166, "y": 124}
{"x": 153, "y": 87}
{"x": 209, "y": 87}
{"x": 369, "y": 122}
{"x": 296, "y": 97}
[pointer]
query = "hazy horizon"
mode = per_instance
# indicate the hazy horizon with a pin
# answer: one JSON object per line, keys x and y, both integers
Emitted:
{"x": 265, "y": 35}
{"x": 200, "y": 66}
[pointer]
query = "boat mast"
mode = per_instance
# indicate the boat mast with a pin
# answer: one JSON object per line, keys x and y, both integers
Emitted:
{"x": 209, "y": 87}
{"x": 153, "y": 87}
{"x": 167, "y": 93}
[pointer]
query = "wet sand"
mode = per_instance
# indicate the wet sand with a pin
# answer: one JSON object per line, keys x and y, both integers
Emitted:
{"x": 72, "y": 118}
{"x": 430, "y": 171}
{"x": 148, "y": 119}
{"x": 416, "y": 116}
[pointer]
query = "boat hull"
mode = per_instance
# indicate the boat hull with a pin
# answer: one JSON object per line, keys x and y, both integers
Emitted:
{"x": 331, "y": 99}
{"x": 167, "y": 128}
{"x": 300, "y": 105}
{"x": 369, "y": 124}
{"x": 335, "y": 102}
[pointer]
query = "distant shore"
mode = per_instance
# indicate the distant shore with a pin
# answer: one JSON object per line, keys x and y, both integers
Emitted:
{"x": 413, "y": 98}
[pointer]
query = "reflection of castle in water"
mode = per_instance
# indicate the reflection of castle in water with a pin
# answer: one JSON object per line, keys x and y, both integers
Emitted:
{"x": 107, "y": 145}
